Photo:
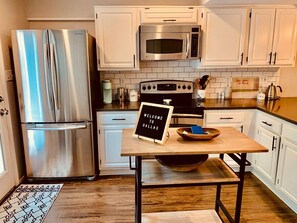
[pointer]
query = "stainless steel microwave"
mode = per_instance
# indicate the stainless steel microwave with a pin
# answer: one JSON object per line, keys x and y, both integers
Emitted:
{"x": 170, "y": 42}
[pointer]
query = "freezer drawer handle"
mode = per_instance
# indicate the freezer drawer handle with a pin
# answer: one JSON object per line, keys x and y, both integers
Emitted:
{"x": 118, "y": 119}
{"x": 227, "y": 118}
{"x": 56, "y": 127}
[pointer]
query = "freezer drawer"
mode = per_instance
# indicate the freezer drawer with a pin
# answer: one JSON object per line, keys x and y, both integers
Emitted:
{"x": 59, "y": 150}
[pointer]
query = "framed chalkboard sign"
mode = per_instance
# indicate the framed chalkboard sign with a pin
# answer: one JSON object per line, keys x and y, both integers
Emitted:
{"x": 153, "y": 122}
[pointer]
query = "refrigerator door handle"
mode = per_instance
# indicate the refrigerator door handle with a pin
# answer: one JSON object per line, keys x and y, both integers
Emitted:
{"x": 53, "y": 67}
{"x": 55, "y": 127}
{"x": 46, "y": 53}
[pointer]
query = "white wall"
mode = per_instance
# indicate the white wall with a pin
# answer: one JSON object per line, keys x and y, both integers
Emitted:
{"x": 288, "y": 81}
{"x": 83, "y": 9}
{"x": 12, "y": 16}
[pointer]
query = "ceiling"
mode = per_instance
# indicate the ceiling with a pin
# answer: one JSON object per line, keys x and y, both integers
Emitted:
{"x": 250, "y": 2}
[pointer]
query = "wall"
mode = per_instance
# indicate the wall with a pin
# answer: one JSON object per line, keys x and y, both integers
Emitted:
{"x": 183, "y": 71}
{"x": 42, "y": 13}
{"x": 12, "y": 16}
{"x": 288, "y": 81}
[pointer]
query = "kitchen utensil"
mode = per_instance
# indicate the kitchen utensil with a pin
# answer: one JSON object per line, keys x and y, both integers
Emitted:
{"x": 204, "y": 81}
{"x": 187, "y": 134}
{"x": 121, "y": 94}
{"x": 271, "y": 93}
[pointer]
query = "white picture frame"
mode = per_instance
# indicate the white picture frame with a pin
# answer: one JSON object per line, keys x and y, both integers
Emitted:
{"x": 153, "y": 121}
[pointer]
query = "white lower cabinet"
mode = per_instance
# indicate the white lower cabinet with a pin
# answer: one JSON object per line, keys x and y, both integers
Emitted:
{"x": 242, "y": 120}
{"x": 266, "y": 163}
{"x": 110, "y": 126}
{"x": 286, "y": 181}
{"x": 277, "y": 168}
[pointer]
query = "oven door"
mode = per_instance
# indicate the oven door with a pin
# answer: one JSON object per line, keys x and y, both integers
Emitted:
{"x": 165, "y": 46}
{"x": 186, "y": 120}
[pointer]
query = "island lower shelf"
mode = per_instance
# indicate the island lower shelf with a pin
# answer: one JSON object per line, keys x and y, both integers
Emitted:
{"x": 203, "y": 216}
{"x": 213, "y": 171}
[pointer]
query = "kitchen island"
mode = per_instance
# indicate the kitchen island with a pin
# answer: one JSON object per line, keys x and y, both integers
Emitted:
{"x": 149, "y": 173}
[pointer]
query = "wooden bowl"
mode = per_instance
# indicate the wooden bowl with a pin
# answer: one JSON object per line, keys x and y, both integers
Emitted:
{"x": 182, "y": 163}
{"x": 187, "y": 134}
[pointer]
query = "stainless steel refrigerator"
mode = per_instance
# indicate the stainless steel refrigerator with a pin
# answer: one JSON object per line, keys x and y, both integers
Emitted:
{"x": 53, "y": 73}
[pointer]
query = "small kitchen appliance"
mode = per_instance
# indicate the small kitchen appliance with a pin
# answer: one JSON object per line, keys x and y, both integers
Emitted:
{"x": 170, "y": 42}
{"x": 107, "y": 91}
{"x": 271, "y": 93}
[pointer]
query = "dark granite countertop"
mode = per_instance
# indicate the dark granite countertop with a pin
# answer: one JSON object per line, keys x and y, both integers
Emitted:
{"x": 285, "y": 108}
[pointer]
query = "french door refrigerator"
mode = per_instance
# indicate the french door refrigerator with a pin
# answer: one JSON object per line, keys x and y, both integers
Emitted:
{"x": 53, "y": 72}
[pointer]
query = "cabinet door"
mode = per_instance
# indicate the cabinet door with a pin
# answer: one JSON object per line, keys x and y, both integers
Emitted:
{"x": 169, "y": 15}
{"x": 116, "y": 31}
{"x": 284, "y": 44}
{"x": 266, "y": 163}
{"x": 110, "y": 140}
{"x": 261, "y": 37}
{"x": 287, "y": 166}
{"x": 224, "y": 34}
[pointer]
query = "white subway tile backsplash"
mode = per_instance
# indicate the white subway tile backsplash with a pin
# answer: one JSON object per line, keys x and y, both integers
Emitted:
{"x": 157, "y": 69}
{"x": 167, "y": 69}
{"x": 181, "y": 70}
{"x": 130, "y": 76}
{"x": 162, "y": 75}
{"x": 163, "y": 64}
{"x": 173, "y": 63}
{"x": 178, "y": 69}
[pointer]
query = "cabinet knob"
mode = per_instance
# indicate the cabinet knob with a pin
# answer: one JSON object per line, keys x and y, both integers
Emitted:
{"x": 1, "y": 99}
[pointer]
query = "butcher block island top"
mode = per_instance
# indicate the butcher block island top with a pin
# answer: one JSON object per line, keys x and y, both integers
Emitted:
{"x": 229, "y": 141}
{"x": 149, "y": 173}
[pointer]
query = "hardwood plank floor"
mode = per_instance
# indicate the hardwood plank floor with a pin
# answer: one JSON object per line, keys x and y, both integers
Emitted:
{"x": 111, "y": 199}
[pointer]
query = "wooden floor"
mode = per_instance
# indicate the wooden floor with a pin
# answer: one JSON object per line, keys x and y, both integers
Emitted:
{"x": 111, "y": 199}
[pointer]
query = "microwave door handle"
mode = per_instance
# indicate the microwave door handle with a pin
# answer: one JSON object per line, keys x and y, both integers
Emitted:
{"x": 187, "y": 45}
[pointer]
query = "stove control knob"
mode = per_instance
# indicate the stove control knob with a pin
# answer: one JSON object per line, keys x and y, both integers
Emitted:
{"x": 179, "y": 87}
{"x": 189, "y": 87}
{"x": 149, "y": 87}
{"x": 154, "y": 87}
{"x": 144, "y": 88}
{"x": 184, "y": 87}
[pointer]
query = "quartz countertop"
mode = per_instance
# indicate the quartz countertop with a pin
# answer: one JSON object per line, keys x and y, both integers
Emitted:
{"x": 284, "y": 108}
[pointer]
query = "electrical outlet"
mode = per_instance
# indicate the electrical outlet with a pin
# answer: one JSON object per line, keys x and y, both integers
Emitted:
{"x": 9, "y": 75}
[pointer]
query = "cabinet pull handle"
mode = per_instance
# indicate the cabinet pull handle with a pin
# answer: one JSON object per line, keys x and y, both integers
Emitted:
{"x": 274, "y": 61}
{"x": 270, "y": 58}
{"x": 222, "y": 118}
{"x": 118, "y": 119}
{"x": 273, "y": 143}
{"x": 241, "y": 129}
{"x": 134, "y": 60}
{"x": 241, "y": 61}
{"x": 266, "y": 123}
{"x": 169, "y": 20}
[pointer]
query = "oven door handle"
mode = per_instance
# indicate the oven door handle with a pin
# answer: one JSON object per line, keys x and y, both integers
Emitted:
{"x": 177, "y": 115}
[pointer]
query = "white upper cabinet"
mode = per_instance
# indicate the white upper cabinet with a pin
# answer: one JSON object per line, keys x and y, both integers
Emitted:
{"x": 116, "y": 36}
{"x": 224, "y": 36}
{"x": 272, "y": 39}
{"x": 169, "y": 15}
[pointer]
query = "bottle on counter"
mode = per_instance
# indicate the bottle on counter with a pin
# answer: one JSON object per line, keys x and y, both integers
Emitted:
{"x": 228, "y": 91}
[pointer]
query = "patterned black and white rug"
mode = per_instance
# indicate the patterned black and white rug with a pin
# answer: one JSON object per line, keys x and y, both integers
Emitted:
{"x": 29, "y": 203}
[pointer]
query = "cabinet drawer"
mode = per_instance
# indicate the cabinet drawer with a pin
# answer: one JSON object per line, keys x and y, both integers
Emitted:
{"x": 228, "y": 117}
{"x": 289, "y": 132}
{"x": 270, "y": 123}
{"x": 117, "y": 118}
{"x": 169, "y": 15}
